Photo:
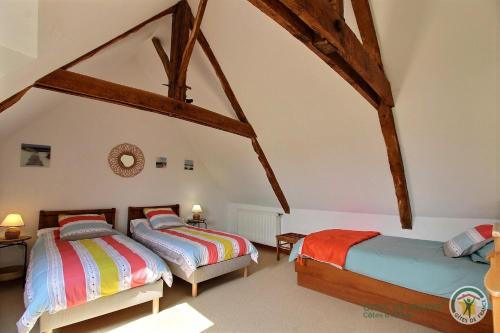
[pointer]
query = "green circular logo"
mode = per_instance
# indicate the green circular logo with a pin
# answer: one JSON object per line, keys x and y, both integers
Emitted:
{"x": 468, "y": 305}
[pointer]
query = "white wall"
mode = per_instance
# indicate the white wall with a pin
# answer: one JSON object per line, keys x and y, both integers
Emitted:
{"x": 306, "y": 221}
{"x": 81, "y": 133}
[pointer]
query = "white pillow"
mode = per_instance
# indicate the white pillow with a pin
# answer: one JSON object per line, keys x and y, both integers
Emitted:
{"x": 136, "y": 222}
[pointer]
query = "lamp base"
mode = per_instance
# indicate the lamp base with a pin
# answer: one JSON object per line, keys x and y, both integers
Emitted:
{"x": 196, "y": 217}
{"x": 12, "y": 233}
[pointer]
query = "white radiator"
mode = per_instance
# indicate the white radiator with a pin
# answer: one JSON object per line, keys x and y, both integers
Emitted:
{"x": 258, "y": 226}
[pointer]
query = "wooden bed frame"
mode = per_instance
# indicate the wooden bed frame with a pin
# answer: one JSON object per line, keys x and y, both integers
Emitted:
{"x": 124, "y": 299}
{"x": 202, "y": 273}
{"x": 407, "y": 304}
{"x": 492, "y": 278}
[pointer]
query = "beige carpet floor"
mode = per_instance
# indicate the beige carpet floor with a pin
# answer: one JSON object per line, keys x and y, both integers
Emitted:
{"x": 269, "y": 300}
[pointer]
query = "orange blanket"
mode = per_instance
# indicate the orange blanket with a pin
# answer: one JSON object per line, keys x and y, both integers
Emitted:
{"x": 331, "y": 246}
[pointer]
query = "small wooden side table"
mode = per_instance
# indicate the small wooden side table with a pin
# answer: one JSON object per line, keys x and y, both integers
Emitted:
{"x": 285, "y": 242}
{"x": 197, "y": 223}
{"x": 14, "y": 272}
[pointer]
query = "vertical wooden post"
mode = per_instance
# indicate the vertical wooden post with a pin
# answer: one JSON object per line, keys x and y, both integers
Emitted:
{"x": 179, "y": 39}
{"x": 388, "y": 127}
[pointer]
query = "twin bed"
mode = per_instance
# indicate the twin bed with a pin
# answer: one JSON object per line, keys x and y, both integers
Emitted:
{"x": 406, "y": 278}
{"x": 73, "y": 280}
{"x": 193, "y": 254}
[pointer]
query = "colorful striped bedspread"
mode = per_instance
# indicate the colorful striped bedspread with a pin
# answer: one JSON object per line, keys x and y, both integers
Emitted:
{"x": 63, "y": 274}
{"x": 191, "y": 247}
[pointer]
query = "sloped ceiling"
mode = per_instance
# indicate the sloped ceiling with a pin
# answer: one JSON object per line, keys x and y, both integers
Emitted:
{"x": 321, "y": 138}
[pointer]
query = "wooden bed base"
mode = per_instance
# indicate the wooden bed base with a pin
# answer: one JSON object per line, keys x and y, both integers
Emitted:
{"x": 417, "y": 307}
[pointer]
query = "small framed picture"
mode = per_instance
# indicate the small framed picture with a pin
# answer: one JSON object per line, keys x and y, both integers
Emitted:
{"x": 188, "y": 165}
{"x": 35, "y": 155}
{"x": 161, "y": 162}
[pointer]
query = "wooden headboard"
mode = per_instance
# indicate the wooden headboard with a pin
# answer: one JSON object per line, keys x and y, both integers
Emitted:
{"x": 49, "y": 218}
{"x": 138, "y": 213}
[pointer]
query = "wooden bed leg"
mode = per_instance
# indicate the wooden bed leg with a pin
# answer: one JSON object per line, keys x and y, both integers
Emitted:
{"x": 245, "y": 272}
{"x": 492, "y": 278}
{"x": 156, "y": 305}
{"x": 194, "y": 289}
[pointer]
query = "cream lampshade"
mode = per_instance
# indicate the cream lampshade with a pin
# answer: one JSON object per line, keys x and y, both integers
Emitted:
{"x": 12, "y": 222}
{"x": 196, "y": 212}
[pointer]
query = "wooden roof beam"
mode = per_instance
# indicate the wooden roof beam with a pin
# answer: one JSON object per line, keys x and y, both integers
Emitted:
{"x": 188, "y": 50}
{"x": 4, "y": 105}
{"x": 86, "y": 86}
{"x": 16, "y": 97}
{"x": 271, "y": 177}
{"x": 318, "y": 44}
{"x": 138, "y": 27}
{"x": 338, "y": 6}
{"x": 389, "y": 132}
{"x": 163, "y": 56}
{"x": 317, "y": 14}
{"x": 325, "y": 32}
{"x": 178, "y": 42}
{"x": 366, "y": 26}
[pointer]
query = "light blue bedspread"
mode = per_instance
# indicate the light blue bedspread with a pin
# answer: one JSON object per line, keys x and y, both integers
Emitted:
{"x": 412, "y": 263}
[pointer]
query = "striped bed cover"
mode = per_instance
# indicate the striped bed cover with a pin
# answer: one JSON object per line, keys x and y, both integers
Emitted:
{"x": 191, "y": 247}
{"x": 63, "y": 274}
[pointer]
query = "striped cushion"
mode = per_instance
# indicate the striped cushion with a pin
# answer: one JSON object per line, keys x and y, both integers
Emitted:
{"x": 469, "y": 241}
{"x": 162, "y": 218}
{"x": 84, "y": 226}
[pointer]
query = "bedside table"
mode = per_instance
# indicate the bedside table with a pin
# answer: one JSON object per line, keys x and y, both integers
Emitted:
{"x": 285, "y": 242}
{"x": 197, "y": 223}
{"x": 14, "y": 272}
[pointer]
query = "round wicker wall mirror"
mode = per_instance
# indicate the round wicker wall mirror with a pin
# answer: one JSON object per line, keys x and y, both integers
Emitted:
{"x": 126, "y": 160}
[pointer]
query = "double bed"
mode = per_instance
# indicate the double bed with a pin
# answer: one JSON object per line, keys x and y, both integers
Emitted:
{"x": 187, "y": 249}
{"x": 71, "y": 281}
{"x": 406, "y": 278}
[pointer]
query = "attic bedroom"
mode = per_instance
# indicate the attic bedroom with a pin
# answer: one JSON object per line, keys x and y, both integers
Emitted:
{"x": 249, "y": 166}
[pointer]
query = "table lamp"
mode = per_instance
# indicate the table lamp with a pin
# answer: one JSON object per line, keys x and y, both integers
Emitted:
{"x": 196, "y": 212}
{"x": 12, "y": 222}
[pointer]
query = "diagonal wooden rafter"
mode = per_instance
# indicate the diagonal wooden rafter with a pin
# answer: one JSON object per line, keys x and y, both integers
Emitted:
{"x": 318, "y": 44}
{"x": 13, "y": 99}
{"x": 366, "y": 29}
{"x": 271, "y": 176}
{"x": 163, "y": 56}
{"x": 325, "y": 32}
{"x": 202, "y": 40}
{"x": 16, "y": 97}
{"x": 105, "y": 91}
{"x": 389, "y": 132}
{"x": 188, "y": 51}
{"x": 327, "y": 23}
{"x": 86, "y": 86}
